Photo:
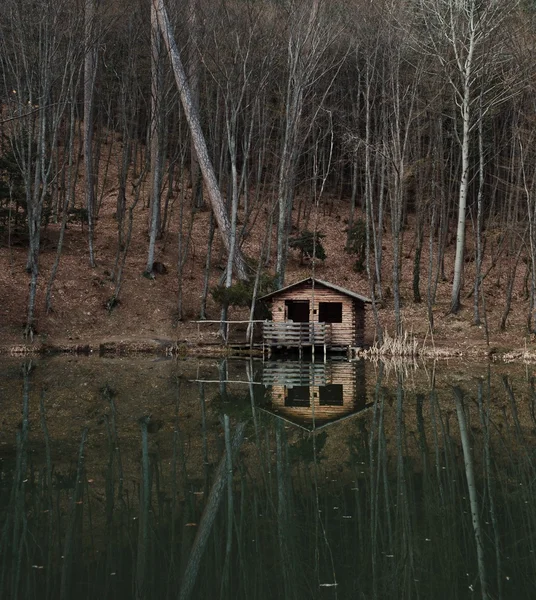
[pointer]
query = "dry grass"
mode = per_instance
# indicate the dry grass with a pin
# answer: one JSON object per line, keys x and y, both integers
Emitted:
{"x": 405, "y": 346}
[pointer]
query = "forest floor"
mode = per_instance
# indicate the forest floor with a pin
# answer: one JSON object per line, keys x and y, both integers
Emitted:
{"x": 145, "y": 319}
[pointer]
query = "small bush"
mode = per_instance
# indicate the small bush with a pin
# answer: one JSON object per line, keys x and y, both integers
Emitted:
{"x": 241, "y": 293}
{"x": 309, "y": 244}
{"x": 236, "y": 295}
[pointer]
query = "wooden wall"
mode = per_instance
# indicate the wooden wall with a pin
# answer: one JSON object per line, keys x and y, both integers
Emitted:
{"x": 348, "y": 333}
{"x": 359, "y": 315}
{"x": 344, "y": 374}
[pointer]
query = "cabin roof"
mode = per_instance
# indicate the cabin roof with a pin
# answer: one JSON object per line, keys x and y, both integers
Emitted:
{"x": 331, "y": 286}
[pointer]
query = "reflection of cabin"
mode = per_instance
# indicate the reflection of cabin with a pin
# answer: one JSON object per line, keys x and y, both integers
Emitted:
{"x": 313, "y": 395}
{"x": 312, "y": 312}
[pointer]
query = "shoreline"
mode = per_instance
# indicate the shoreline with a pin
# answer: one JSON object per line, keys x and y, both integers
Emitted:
{"x": 167, "y": 347}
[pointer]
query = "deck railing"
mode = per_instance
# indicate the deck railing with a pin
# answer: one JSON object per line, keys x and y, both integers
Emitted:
{"x": 296, "y": 335}
{"x": 291, "y": 373}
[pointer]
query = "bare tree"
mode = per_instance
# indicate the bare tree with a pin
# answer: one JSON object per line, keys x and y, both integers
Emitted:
{"x": 69, "y": 166}
{"x": 396, "y": 146}
{"x": 198, "y": 139}
{"x": 156, "y": 145}
{"x": 40, "y": 58}
{"x": 240, "y": 72}
{"x": 193, "y": 80}
{"x": 463, "y": 35}
{"x": 528, "y": 179}
{"x": 90, "y": 74}
{"x": 310, "y": 36}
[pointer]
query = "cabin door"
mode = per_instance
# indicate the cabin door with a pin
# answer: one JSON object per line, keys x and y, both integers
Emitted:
{"x": 297, "y": 311}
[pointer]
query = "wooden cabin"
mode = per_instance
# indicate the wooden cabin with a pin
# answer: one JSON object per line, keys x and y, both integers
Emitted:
{"x": 312, "y": 312}
{"x": 314, "y": 395}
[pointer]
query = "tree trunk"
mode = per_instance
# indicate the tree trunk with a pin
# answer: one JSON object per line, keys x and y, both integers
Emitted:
{"x": 462, "y": 202}
{"x": 156, "y": 138}
{"x": 198, "y": 139}
{"x": 90, "y": 71}
{"x": 193, "y": 79}
{"x": 471, "y": 486}
{"x": 478, "y": 234}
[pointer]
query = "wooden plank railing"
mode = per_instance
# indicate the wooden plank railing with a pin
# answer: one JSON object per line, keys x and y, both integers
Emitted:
{"x": 291, "y": 373}
{"x": 296, "y": 335}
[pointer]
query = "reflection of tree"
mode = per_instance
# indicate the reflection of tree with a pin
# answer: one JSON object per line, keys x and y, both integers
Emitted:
{"x": 284, "y": 502}
{"x": 208, "y": 517}
{"x": 15, "y": 529}
{"x": 373, "y": 520}
{"x": 471, "y": 484}
{"x": 145, "y": 500}
{"x": 484, "y": 409}
{"x": 404, "y": 523}
{"x": 75, "y": 515}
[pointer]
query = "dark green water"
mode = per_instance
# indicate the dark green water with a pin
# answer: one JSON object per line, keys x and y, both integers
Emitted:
{"x": 158, "y": 479}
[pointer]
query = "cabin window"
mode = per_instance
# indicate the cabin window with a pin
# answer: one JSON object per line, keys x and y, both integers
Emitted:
{"x": 330, "y": 312}
{"x": 298, "y": 395}
{"x": 297, "y": 310}
{"x": 331, "y": 395}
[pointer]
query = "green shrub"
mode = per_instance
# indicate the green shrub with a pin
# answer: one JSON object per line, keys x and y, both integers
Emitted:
{"x": 241, "y": 293}
{"x": 309, "y": 244}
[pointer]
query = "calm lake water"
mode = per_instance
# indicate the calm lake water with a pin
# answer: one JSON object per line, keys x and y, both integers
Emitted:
{"x": 142, "y": 478}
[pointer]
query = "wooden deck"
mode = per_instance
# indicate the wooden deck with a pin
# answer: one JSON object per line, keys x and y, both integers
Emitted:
{"x": 296, "y": 335}
{"x": 291, "y": 373}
